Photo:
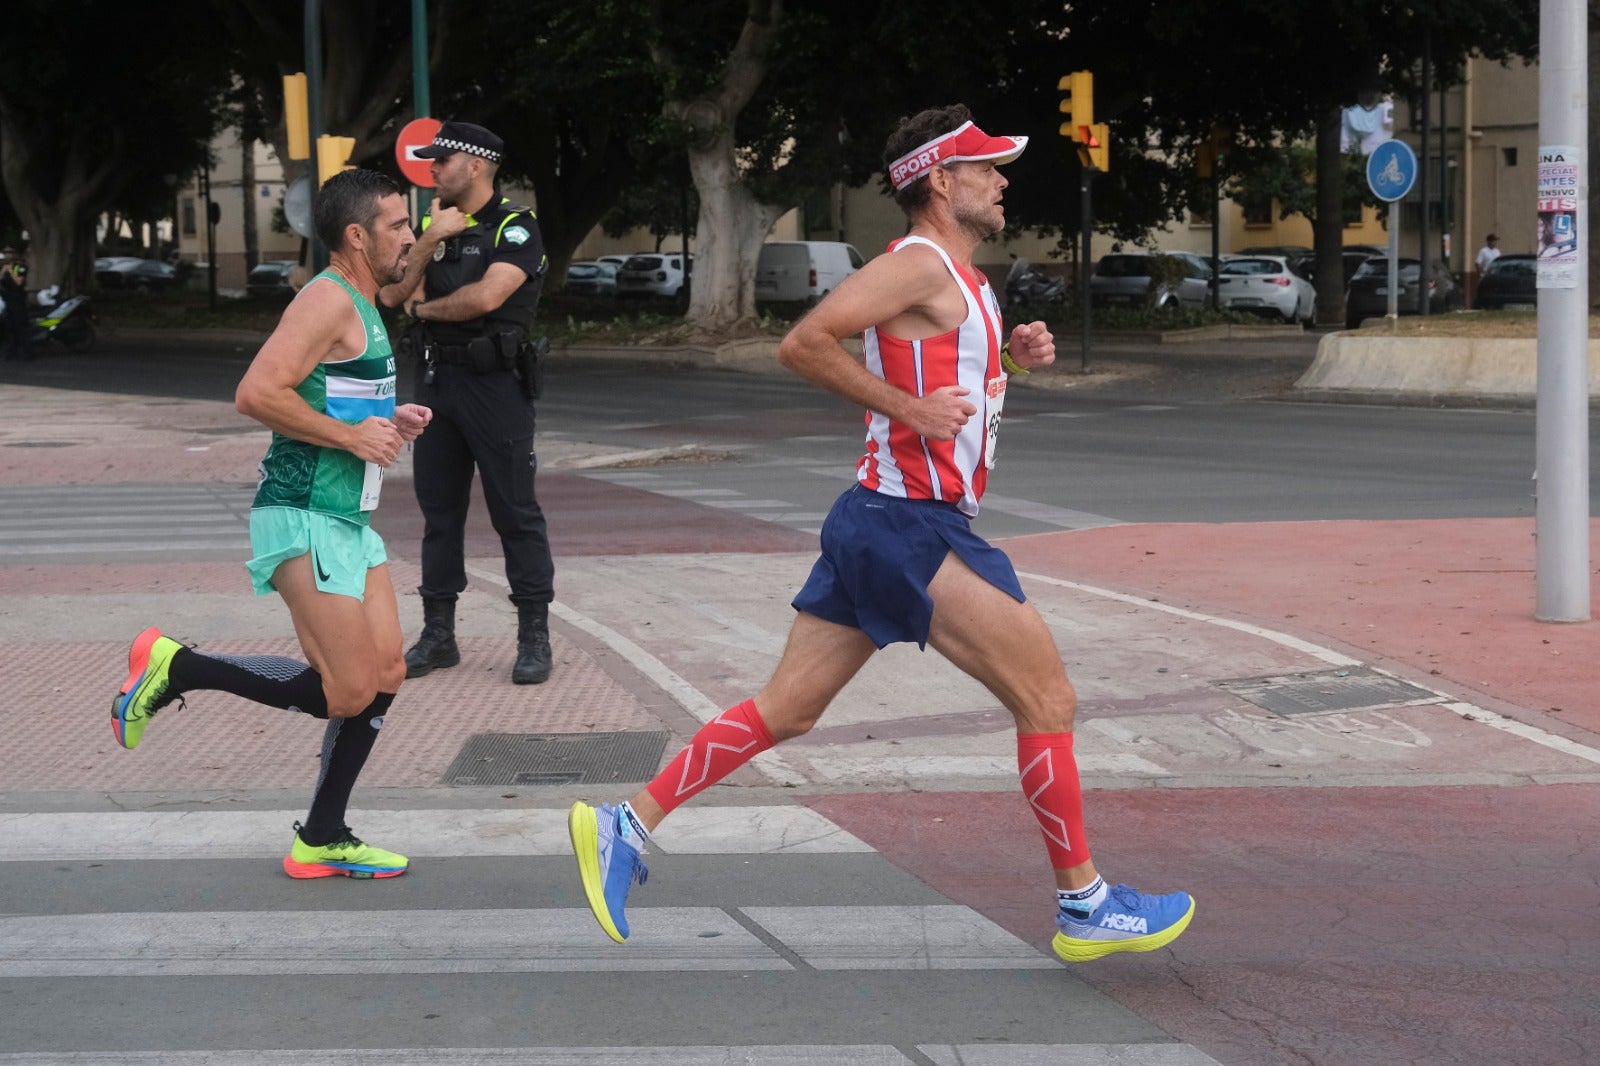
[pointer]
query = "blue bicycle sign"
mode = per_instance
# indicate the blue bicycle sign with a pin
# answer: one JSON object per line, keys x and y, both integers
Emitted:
{"x": 1391, "y": 170}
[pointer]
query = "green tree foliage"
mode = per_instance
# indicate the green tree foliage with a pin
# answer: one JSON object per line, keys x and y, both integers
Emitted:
{"x": 85, "y": 130}
{"x": 571, "y": 89}
{"x": 1287, "y": 174}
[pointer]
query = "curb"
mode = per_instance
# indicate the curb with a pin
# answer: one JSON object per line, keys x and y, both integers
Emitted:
{"x": 1221, "y": 331}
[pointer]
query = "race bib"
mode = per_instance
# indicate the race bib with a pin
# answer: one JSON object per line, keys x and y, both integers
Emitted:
{"x": 371, "y": 486}
{"x": 994, "y": 402}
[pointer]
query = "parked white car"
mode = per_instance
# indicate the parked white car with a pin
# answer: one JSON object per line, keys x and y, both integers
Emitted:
{"x": 658, "y": 274}
{"x": 1265, "y": 285}
{"x": 803, "y": 271}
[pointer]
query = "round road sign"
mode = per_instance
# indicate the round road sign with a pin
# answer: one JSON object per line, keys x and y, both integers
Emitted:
{"x": 418, "y": 133}
{"x": 297, "y": 206}
{"x": 1391, "y": 170}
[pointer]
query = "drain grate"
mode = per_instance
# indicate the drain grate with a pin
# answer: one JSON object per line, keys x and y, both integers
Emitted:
{"x": 1327, "y": 692}
{"x": 556, "y": 758}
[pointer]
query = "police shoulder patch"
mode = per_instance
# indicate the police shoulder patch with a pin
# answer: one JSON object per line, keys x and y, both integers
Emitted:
{"x": 516, "y": 234}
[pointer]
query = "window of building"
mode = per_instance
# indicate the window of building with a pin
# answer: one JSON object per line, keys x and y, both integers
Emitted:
{"x": 188, "y": 217}
{"x": 1510, "y": 156}
{"x": 1201, "y": 217}
{"x": 1256, "y": 212}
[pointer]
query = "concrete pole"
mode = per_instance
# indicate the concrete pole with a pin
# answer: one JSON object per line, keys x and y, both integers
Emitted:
{"x": 1561, "y": 512}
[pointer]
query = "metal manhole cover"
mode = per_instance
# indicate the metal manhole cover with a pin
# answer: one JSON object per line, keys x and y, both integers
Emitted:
{"x": 1327, "y": 691}
{"x": 556, "y": 758}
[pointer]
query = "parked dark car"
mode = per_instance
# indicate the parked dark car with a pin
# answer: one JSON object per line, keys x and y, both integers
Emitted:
{"x": 1368, "y": 294}
{"x": 271, "y": 278}
{"x": 131, "y": 272}
{"x": 1510, "y": 281}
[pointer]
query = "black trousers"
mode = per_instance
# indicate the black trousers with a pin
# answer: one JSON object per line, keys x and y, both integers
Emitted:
{"x": 479, "y": 420}
{"x": 18, "y": 330}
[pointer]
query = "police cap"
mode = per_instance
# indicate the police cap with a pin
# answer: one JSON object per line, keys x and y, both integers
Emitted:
{"x": 463, "y": 137}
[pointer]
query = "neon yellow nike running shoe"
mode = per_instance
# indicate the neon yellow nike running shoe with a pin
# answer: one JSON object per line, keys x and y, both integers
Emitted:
{"x": 344, "y": 857}
{"x": 146, "y": 690}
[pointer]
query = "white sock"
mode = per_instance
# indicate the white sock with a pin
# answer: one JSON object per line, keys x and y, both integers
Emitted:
{"x": 634, "y": 823}
{"x": 1081, "y": 902}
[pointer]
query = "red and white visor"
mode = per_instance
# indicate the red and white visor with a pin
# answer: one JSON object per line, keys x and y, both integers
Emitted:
{"x": 964, "y": 144}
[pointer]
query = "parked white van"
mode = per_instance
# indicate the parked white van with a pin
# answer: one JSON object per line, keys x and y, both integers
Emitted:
{"x": 803, "y": 271}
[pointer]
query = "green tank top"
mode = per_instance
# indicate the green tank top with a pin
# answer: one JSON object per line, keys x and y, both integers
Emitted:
{"x": 332, "y": 481}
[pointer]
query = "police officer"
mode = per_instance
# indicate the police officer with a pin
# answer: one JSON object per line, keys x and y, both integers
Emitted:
{"x": 480, "y": 262}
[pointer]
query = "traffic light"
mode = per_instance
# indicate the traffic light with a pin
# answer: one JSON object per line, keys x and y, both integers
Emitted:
{"x": 1078, "y": 105}
{"x": 333, "y": 155}
{"x": 296, "y": 116}
{"x": 1209, "y": 157}
{"x": 1099, "y": 147}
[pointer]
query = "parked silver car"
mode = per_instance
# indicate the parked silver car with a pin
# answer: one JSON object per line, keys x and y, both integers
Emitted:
{"x": 1122, "y": 279}
{"x": 596, "y": 278}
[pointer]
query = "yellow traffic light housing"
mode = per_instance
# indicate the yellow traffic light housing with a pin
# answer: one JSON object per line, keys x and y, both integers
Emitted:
{"x": 296, "y": 116}
{"x": 333, "y": 155}
{"x": 1078, "y": 105}
{"x": 1209, "y": 158}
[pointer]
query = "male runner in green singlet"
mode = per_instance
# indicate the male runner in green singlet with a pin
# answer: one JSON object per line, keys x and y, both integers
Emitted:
{"x": 324, "y": 384}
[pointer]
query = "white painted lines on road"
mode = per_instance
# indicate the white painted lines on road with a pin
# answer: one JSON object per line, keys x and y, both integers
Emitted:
{"x": 245, "y": 944}
{"x": 175, "y": 521}
{"x": 1060, "y": 517}
{"x": 211, "y": 835}
{"x": 932, "y": 769}
{"x": 752, "y": 1055}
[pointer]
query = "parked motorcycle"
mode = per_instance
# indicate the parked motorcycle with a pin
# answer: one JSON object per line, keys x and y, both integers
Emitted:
{"x": 1026, "y": 286}
{"x": 69, "y": 323}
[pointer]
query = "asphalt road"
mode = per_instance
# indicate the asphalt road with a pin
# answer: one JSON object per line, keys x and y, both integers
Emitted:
{"x": 1199, "y": 433}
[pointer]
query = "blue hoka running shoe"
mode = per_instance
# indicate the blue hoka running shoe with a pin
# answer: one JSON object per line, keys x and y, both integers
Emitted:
{"x": 608, "y": 861}
{"x": 1128, "y": 920}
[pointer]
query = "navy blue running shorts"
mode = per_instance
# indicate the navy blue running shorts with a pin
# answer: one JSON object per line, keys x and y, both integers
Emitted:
{"x": 878, "y": 555}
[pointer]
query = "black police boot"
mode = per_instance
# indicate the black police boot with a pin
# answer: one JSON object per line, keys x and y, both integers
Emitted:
{"x": 436, "y": 648}
{"x": 533, "y": 644}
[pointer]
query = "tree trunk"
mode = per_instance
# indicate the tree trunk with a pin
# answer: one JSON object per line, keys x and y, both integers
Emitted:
{"x": 731, "y": 227}
{"x": 732, "y": 222}
{"x": 247, "y": 190}
{"x": 1328, "y": 226}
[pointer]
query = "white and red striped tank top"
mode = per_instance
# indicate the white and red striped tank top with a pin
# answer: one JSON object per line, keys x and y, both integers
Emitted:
{"x": 900, "y": 462}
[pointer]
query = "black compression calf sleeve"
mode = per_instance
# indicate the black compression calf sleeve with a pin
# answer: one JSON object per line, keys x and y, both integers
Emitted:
{"x": 345, "y": 749}
{"x": 269, "y": 679}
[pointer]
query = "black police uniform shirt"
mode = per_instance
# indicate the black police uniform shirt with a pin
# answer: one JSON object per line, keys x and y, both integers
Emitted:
{"x": 503, "y": 232}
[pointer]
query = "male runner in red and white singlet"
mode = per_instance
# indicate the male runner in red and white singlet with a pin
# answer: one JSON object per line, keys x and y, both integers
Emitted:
{"x": 899, "y": 559}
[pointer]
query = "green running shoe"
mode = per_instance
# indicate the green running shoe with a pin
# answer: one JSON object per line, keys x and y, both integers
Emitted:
{"x": 145, "y": 691}
{"x": 345, "y": 857}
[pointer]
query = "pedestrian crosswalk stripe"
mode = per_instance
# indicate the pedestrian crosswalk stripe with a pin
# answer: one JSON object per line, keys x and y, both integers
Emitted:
{"x": 941, "y": 767}
{"x": 241, "y": 943}
{"x": 748, "y": 1055}
{"x": 88, "y": 836}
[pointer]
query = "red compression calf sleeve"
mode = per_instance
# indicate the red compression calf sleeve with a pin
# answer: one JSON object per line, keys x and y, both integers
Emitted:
{"x": 1050, "y": 785}
{"x": 722, "y": 745}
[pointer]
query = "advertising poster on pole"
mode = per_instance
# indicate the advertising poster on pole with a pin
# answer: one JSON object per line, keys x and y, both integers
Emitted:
{"x": 1560, "y": 178}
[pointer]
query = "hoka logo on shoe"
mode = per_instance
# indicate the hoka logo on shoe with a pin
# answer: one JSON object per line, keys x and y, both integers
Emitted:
{"x": 1126, "y": 923}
